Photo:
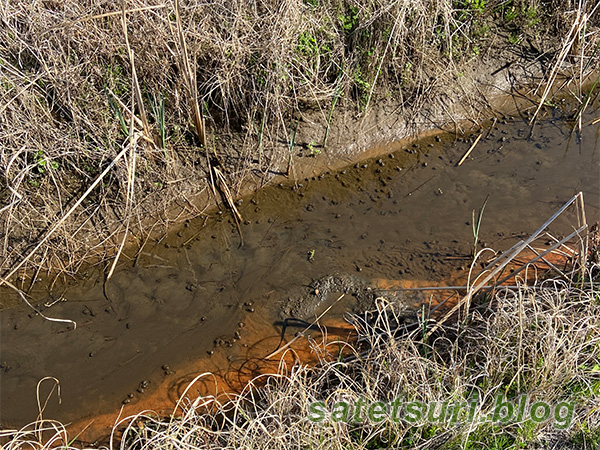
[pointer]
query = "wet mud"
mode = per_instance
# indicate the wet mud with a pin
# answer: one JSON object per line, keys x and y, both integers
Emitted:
{"x": 199, "y": 301}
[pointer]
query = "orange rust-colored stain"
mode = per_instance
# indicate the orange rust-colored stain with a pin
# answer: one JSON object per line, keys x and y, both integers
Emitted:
{"x": 264, "y": 353}
{"x": 445, "y": 299}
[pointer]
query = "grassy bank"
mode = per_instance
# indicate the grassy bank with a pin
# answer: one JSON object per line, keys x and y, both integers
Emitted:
{"x": 106, "y": 105}
{"x": 540, "y": 340}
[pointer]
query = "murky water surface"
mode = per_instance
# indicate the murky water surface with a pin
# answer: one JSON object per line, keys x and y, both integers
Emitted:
{"x": 404, "y": 215}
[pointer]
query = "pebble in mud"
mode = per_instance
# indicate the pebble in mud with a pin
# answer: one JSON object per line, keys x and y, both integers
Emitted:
{"x": 249, "y": 303}
{"x": 241, "y": 324}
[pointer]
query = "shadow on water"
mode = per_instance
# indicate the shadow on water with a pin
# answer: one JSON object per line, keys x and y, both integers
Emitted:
{"x": 197, "y": 301}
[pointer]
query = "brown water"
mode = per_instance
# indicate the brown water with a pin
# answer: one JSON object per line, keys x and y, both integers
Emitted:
{"x": 405, "y": 215}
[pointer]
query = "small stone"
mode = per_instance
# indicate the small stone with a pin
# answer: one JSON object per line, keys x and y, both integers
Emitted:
{"x": 241, "y": 324}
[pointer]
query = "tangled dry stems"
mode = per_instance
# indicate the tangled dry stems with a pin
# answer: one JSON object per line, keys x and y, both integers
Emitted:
{"x": 68, "y": 96}
{"x": 542, "y": 340}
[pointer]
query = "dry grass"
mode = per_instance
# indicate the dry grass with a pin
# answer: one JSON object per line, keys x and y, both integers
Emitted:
{"x": 542, "y": 340}
{"x": 80, "y": 79}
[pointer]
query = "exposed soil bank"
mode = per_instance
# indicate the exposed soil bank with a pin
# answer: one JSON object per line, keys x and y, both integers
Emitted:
{"x": 406, "y": 215}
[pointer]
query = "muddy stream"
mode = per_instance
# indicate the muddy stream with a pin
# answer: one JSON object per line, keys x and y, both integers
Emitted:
{"x": 199, "y": 301}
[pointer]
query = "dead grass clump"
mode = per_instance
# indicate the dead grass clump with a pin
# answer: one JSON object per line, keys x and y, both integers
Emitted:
{"x": 79, "y": 79}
